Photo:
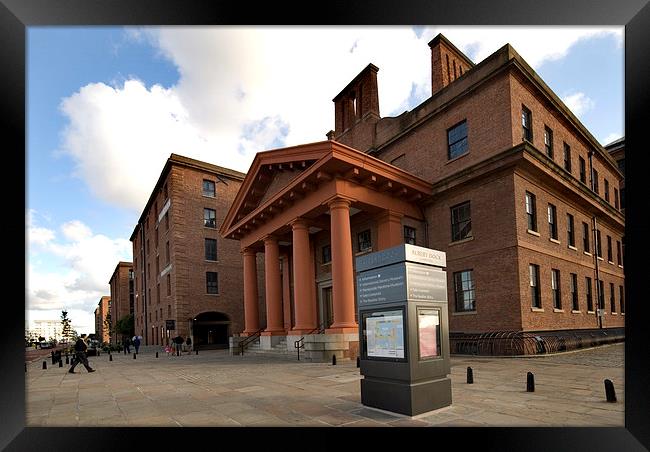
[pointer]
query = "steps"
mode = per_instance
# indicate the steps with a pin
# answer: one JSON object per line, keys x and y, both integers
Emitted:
{"x": 280, "y": 349}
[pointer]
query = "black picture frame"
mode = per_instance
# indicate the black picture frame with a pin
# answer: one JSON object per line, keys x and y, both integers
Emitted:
{"x": 16, "y": 15}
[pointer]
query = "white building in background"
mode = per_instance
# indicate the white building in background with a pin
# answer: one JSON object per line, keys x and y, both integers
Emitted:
{"x": 49, "y": 329}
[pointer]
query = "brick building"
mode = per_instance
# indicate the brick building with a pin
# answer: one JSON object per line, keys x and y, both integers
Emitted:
{"x": 617, "y": 150}
{"x": 101, "y": 312}
{"x": 184, "y": 271}
{"x": 493, "y": 169}
{"x": 122, "y": 294}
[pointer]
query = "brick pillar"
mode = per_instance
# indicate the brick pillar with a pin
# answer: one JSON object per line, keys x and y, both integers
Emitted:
{"x": 251, "y": 309}
{"x": 342, "y": 270}
{"x": 274, "y": 323}
{"x": 389, "y": 230}
{"x": 302, "y": 278}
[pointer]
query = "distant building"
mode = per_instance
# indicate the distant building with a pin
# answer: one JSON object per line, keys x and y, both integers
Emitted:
{"x": 49, "y": 329}
{"x": 616, "y": 149}
{"x": 122, "y": 293}
{"x": 185, "y": 272}
{"x": 101, "y": 312}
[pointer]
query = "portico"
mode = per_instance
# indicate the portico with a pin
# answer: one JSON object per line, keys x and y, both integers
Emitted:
{"x": 294, "y": 198}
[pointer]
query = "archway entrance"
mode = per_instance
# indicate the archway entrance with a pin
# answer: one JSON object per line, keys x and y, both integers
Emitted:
{"x": 211, "y": 330}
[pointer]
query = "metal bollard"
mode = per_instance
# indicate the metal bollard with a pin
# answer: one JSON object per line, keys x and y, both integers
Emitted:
{"x": 530, "y": 382}
{"x": 134, "y": 356}
{"x": 25, "y": 367}
{"x": 67, "y": 359}
{"x": 44, "y": 364}
{"x": 52, "y": 354}
{"x": 197, "y": 351}
{"x": 110, "y": 357}
{"x": 60, "y": 363}
{"x": 470, "y": 376}
{"x": 610, "y": 393}
{"x": 333, "y": 360}
{"x": 156, "y": 354}
{"x": 358, "y": 362}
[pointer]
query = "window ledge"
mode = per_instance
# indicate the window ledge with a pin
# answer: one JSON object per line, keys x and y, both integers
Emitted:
{"x": 572, "y": 247}
{"x": 614, "y": 313}
{"x": 551, "y": 239}
{"x": 213, "y": 294}
{"x": 558, "y": 310}
{"x": 211, "y": 261}
{"x": 576, "y": 312}
{"x": 537, "y": 309}
{"x": 620, "y": 266}
{"x": 591, "y": 312}
{"x": 206, "y": 196}
{"x": 458, "y": 242}
{"x": 531, "y": 232}
{"x": 361, "y": 253}
{"x": 456, "y": 158}
{"x": 587, "y": 253}
{"x": 622, "y": 313}
{"x": 600, "y": 258}
{"x": 210, "y": 228}
{"x": 610, "y": 262}
{"x": 464, "y": 313}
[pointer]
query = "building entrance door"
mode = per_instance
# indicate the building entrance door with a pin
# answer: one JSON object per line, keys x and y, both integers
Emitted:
{"x": 210, "y": 330}
{"x": 326, "y": 310}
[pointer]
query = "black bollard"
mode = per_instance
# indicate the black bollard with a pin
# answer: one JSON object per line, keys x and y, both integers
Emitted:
{"x": 470, "y": 376}
{"x": 358, "y": 362}
{"x": 333, "y": 360}
{"x": 530, "y": 382}
{"x": 44, "y": 364}
{"x": 60, "y": 363}
{"x": 197, "y": 351}
{"x": 110, "y": 357}
{"x": 67, "y": 359}
{"x": 25, "y": 367}
{"x": 156, "y": 354}
{"x": 52, "y": 353}
{"x": 610, "y": 393}
{"x": 125, "y": 351}
{"x": 134, "y": 356}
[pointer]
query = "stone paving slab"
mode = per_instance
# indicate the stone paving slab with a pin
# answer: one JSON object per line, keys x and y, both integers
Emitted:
{"x": 215, "y": 389}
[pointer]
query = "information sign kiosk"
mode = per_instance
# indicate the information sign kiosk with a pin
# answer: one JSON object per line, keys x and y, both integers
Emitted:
{"x": 403, "y": 329}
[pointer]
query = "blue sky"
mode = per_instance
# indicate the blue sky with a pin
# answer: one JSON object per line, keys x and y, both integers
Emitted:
{"x": 107, "y": 105}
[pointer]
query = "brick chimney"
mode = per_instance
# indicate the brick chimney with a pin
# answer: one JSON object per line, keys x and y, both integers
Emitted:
{"x": 447, "y": 63}
{"x": 358, "y": 102}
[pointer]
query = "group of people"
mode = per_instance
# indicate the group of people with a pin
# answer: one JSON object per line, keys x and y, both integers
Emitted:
{"x": 135, "y": 341}
{"x": 179, "y": 345}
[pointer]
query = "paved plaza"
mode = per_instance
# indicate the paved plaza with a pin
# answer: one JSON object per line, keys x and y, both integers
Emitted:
{"x": 217, "y": 389}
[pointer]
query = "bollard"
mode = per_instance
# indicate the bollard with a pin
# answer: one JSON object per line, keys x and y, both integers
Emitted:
{"x": 60, "y": 363}
{"x": 197, "y": 351}
{"x": 25, "y": 367}
{"x": 125, "y": 351}
{"x": 470, "y": 376}
{"x": 52, "y": 353}
{"x": 110, "y": 357}
{"x": 156, "y": 354}
{"x": 610, "y": 393}
{"x": 333, "y": 360}
{"x": 44, "y": 364}
{"x": 134, "y": 356}
{"x": 530, "y": 382}
{"x": 358, "y": 362}
{"x": 67, "y": 359}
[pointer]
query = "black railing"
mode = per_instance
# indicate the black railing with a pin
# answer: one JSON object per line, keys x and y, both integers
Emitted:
{"x": 515, "y": 343}
{"x": 300, "y": 343}
{"x": 249, "y": 340}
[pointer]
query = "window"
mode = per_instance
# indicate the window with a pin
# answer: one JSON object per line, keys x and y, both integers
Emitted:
{"x": 531, "y": 212}
{"x": 149, "y": 270}
{"x": 212, "y": 282}
{"x": 527, "y": 124}
{"x": 548, "y": 142}
{"x": 585, "y": 237}
{"x": 618, "y": 253}
{"x": 457, "y": 140}
{"x": 609, "y": 249}
{"x": 169, "y": 284}
{"x": 552, "y": 221}
{"x": 534, "y": 286}
{"x": 570, "y": 233}
{"x": 167, "y": 253}
{"x": 590, "y": 301}
{"x": 464, "y": 291}
{"x": 606, "y": 190}
{"x": 574, "y": 292}
{"x": 409, "y": 235}
{"x": 567, "y": 157}
{"x": 156, "y": 237}
{"x": 595, "y": 182}
{"x": 327, "y": 254}
{"x": 616, "y": 198}
{"x": 209, "y": 218}
{"x": 169, "y": 310}
{"x": 612, "y": 301}
{"x": 208, "y": 188}
{"x": 461, "y": 222}
{"x": 210, "y": 249}
{"x": 555, "y": 287}
{"x": 599, "y": 250}
{"x": 148, "y": 246}
{"x": 601, "y": 294}
{"x": 363, "y": 240}
{"x": 583, "y": 171}
{"x": 620, "y": 294}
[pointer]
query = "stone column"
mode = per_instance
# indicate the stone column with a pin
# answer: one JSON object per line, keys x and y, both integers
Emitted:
{"x": 251, "y": 309}
{"x": 389, "y": 230}
{"x": 302, "y": 278}
{"x": 274, "y": 322}
{"x": 342, "y": 270}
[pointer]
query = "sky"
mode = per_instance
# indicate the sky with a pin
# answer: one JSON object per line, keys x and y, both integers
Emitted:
{"x": 106, "y": 106}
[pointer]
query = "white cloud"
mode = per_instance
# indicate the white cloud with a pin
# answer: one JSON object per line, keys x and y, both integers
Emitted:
{"x": 37, "y": 235}
{"x": 578, "y": 103}
{"x": 283, "y": 78}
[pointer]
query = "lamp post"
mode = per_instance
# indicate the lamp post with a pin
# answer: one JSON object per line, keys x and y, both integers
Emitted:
{"x": 596, "y": 248}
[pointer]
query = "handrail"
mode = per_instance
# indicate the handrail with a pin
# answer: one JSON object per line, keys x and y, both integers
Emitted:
{"x": 300, "y": 343}
{"x": 243, "y": 344}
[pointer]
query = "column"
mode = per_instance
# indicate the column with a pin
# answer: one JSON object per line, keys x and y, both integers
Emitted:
{"x": 302, "y": 277}
{"x": 273, "y": 287}
{"x": 389, "y": 230}
{"x": 342, "y": 271}
{"x": 251, "y": 309}
{"x": 286, "y": 292}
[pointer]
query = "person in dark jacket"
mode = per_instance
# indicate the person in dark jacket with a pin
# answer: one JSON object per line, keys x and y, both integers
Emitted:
{"x": 178, "y": 340}
{"x": 80, "y": 348}
{"x": 127, "y": 345}
{"x": 136, "y": 343}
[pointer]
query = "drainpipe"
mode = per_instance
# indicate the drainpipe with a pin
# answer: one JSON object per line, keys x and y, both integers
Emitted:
{"x": 595, "y": 229}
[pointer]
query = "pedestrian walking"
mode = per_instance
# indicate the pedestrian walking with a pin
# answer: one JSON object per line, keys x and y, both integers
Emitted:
{"x": 178, "y": 340}
{"x": 127, "y": 345}
{"x": 188, "y": 342}
{"x": 80, "y": 348}
{"x": 136, "y": 343}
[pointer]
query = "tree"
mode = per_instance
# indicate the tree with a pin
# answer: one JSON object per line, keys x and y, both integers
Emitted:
{"x": 125, "y": 327}
{"x": 108, "y": 326}
{"x": 66, "y": 333}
